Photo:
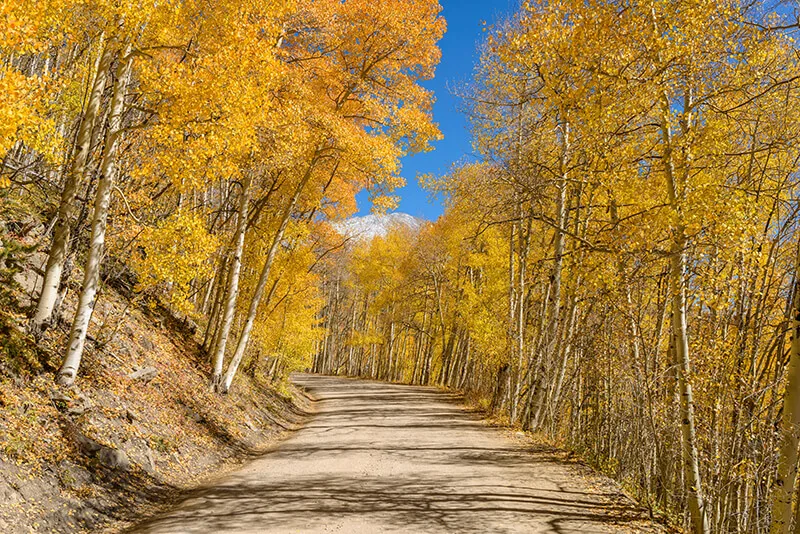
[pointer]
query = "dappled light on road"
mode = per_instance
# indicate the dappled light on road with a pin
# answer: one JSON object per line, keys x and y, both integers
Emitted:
{"x": 387, "y": 458}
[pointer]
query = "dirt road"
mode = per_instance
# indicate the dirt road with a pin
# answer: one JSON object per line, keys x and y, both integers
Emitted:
{"x": 389, "y": 458}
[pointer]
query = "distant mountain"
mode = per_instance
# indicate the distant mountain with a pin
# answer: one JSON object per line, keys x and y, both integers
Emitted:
{"x": 370, "y": 226}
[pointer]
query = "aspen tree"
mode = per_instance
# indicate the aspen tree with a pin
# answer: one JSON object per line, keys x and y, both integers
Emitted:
{"x": 665, "y": 127}
{"x": 232, "y": 291}
{"x": 73, "y": 179}
{"x": 108, "y": 169}
{"x": 786, "y": 479}
{"x": 244, "y": 338}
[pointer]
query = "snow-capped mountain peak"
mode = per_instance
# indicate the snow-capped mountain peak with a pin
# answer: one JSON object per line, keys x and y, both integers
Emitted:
{"x": 370, "y": 226}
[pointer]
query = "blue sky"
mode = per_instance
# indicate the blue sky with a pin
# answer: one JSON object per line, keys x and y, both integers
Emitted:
{"x": 459, "y": 54}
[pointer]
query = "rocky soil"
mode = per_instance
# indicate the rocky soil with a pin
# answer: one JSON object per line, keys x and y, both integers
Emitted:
{"x": 139, "y": 427}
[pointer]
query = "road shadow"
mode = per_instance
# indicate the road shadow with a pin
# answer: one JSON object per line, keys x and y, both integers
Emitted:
{"x": 394, "y": 458}
{"x": 415, "y": 503}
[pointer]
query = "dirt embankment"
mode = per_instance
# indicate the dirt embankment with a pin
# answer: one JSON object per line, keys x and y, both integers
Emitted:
{"x": 139, "y": 425}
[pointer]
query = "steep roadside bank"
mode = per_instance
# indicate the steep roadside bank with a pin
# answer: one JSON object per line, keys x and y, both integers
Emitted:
{"x": 139, "y": 426}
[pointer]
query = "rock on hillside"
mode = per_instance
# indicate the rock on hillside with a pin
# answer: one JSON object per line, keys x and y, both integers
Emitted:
{"x": 139, "y": 426}
{"x": 368, "y": 227}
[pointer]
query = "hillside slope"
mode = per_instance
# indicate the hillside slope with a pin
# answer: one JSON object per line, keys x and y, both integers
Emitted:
{"x": 140, "y": 423}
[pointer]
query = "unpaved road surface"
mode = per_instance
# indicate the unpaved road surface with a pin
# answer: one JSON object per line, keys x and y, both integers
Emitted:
{"x": 388, "y": 458}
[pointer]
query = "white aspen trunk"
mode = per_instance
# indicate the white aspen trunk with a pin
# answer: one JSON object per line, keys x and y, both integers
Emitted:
{"x": 465, "y": 365}
{"x": 559, "y": 242}
{"x": 690, "y": 456}
{"x": 219, "y": 314}
{"x": 219, "y": 282}
{"x": 419, "y": 359}
{"x": 330, "y": 365}
{"x": 559, "y": 245}
{"x": 206, "y": 300}
{"x": 551, "y": 339}
{"x": 57, "y": 255}
{"x": 391, "y": 350}
{"x": 273, "y": 370}
{"x": 319, "y": 357}
{"x": 252, "y": 311}
{"x": 511, "y": 283}
{"x": 428, "y": 361}
{"x": 350, "y": 337}
{"x": 566, "y": 350}
{"x": 440, "y": 312}
{"x": 796, "y": 513}
{"x": 786, "y": 479}
{"x": 233, "y": 286}
{"x": 520, "y": 314}
{"x": 86, "y": 302}
{"x": 692, "y": 478}
{"x": 517, "y": 301}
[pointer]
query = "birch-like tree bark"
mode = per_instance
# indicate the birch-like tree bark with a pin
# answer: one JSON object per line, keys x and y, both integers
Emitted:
{"x": 693, "y": 479}
{"x": 252, "y": 311}
{"x": 688, "y": 432}
{"x": 550, "y": 346}
{"x": 76, "y": 175}
{"x": 219, "y": 280}
{"x": 786, "y": 479}
{"x": 86, "y": 301}
{"x": 232, "y": 292}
